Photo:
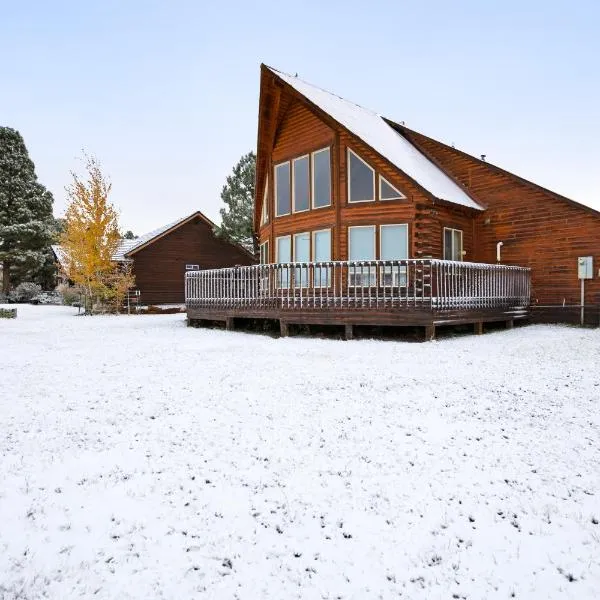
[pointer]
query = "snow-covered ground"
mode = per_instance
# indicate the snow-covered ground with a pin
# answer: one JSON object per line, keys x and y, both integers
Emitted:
{"x": 142, "y": 459}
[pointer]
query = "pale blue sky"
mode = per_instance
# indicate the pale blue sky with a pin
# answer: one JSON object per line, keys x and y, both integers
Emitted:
{"x": 165, "y": 94}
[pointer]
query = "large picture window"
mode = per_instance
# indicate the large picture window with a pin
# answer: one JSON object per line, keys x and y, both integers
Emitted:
{"x": 300, "y": 184}
{"x": 453, "y": 244}
{"x": 284, "y": 255}
{"x": 301, "y": 254}
{"x": 393, "y": 245}
{"x": 303, "y": 183}
{"x": 322, "y": 253}
{"x": 321, "y": 178}
{"x": 361, "y": 179}
{"x": 361, "y": 247}
{"x": 282, "y": 189}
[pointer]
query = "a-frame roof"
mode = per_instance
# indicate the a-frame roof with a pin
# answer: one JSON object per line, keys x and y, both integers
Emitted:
{"x": 373, "y": 129}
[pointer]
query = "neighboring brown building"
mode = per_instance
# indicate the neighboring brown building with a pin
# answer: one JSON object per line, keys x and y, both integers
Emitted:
{"x": 338, "y": 182}
{"x": 162, "y": 257}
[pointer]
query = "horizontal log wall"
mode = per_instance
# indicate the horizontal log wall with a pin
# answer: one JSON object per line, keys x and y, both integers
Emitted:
{"x": 159, "y": 268}
{"x": 539, "y": 229}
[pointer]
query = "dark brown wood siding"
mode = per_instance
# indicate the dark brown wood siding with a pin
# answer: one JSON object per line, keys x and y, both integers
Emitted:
{"x": 159, "y": 268}
{"x": 539, "y": 229}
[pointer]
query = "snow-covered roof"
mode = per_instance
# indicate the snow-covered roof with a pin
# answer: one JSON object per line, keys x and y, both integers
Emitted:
{"x": 128, "y": 246}
{"x": 373, "y": 130}
{"x": 60, "y": 255}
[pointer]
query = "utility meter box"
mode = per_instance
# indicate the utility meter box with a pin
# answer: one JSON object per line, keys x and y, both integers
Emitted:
{"x": 585, "y": 266}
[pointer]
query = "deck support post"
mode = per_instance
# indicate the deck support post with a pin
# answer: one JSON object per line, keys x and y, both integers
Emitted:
{"x": 510, "y": 324}
{"x": 348, "y": 331}
{"x": 429, "y": 332}
{"x": 478, "y": 327}
{"x": 229, "y": 324}
{"x": 283, "y": 328}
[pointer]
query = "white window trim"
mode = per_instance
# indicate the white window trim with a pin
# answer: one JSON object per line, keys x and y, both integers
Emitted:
{"x": 277, "y": 214}
{"x": 381, "y": 227}
{"x": 371, "y": 272}
{"x": 282, "y": 237}
{"x": 313, "y": 233}
{"x": 327, "y": 282}
{"x": 192, "y": 267}
{"x": 350, "y": 201}
{"x": 400, "y": 195}
{"x": 264, "y": 216}
{"x": 461, "y": 253}
{"x": 279, "y": 279}
{"x": 293, "y": 161}
{"x": 307, "y": 233}
{"x": 374, "y": 228}
{"x": 312, "y": 178}
{"x": 396, "y": 271}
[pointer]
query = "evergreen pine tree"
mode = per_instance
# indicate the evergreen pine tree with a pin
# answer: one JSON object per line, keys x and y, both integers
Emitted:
{"x": 238, "y": 195}
{"x": 26, "y": 221}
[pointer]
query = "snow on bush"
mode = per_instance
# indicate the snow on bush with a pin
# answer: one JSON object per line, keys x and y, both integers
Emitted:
{"x": 25, "y": 292}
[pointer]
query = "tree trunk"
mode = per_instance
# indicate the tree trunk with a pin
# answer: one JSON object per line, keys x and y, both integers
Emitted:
{"x": 5, "y": 277}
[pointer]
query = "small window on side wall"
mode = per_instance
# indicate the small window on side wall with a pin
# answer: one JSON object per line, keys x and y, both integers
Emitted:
{"x": 192, "y": 267}
{"x": 453, "y": 244}
{"x": 361, "y": 179}
{"x": 264, "y": 253}
{"x": 388, "y": 192}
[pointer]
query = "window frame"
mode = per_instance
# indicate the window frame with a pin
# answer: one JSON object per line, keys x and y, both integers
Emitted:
{"x": 399, "y": 274}
{"x": 312, "y": 178}
{"x": 275, "y": 189}
{"x": 461, "y": 252}
{"x": 349, "y": 177}
{"x": 405, "y": 225}
{"x": 327, "y": 282}
{"x": 371, "y": 272}
{"x": 301, "y": 273}
{"x": 279, "y": 282}
{"x": 401, "y": 196}
{"x": 192, "y": 267}
{"x": 293, "y": 183}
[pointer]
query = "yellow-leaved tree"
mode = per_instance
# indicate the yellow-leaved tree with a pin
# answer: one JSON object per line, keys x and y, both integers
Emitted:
{"x": 91, "y": 237}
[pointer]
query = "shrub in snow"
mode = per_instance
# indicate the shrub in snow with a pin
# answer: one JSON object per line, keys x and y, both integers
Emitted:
{"x": 25, "y": 292}
{"x": 8, "y": 313}
{"x": 70, "y": 294}
{"x": 48, "y": 298}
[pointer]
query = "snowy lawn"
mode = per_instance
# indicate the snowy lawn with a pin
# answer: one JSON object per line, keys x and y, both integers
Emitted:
{"x": 142, "y": 459}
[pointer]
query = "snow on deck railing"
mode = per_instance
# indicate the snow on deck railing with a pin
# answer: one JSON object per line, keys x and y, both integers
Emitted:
{"x": 424, "y": 283}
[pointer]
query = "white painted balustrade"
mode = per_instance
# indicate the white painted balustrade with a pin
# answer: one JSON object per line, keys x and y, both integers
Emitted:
{"x": 423, "y": 283}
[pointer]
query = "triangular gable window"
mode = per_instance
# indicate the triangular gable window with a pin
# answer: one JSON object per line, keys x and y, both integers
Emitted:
{"x": 388, "y": 192}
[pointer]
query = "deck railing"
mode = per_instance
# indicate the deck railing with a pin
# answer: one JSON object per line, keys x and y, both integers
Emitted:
{"x": 378, "y": 284}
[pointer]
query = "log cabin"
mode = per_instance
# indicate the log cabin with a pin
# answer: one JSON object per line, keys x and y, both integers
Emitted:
{"x": 161, "y": 257}
{"x": 363, "y": 220}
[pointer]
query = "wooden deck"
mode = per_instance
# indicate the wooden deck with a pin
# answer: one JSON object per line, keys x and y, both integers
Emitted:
{"x": 408, "y": 293}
